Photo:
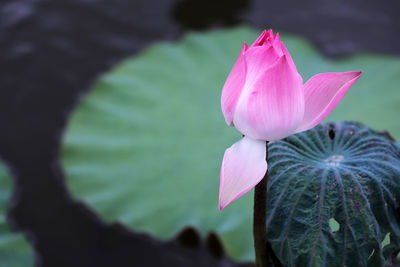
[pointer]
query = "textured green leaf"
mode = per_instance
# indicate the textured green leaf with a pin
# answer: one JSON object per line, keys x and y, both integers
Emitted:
{"x": 14, "y": 249}
{"x": 145, "y": 146}
{"x": 339, "y": 172}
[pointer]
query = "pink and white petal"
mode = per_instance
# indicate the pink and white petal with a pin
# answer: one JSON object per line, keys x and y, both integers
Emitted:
{"x": 233, "y": 87}
{"x": 243, "y": 167}
{"x": 258, "y": 59}
{"x": 273, "y": 107}
{"x": 322, "y": 93}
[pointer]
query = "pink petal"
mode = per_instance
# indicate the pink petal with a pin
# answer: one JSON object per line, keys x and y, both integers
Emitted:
{"x": 288, "y": 57}
{"x": 277, "y": 44}
{"x": 233, "y": 87}
{"x": 264, "y": 36}
{"x": 243, "y": 166}
{"x": 273, "y": 107}
{"x": 258, "y": 59}
{"x": 322, "y": 93}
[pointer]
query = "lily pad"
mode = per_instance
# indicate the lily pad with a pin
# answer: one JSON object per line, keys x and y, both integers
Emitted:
{"x": 14, "y": 249}
{"x": 145, "y": 146}
{"x": 333, "y": 195}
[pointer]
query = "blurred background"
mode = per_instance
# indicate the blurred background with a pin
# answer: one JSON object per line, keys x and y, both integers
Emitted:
{"x": 112, "y": 134}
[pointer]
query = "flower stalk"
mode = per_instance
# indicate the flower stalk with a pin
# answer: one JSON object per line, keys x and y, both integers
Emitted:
{"x": 259, "y": 220}
{"x": 265, "y": 256}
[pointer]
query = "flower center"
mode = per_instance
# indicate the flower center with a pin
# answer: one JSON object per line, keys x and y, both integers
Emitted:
{"x": 334, "y": 160}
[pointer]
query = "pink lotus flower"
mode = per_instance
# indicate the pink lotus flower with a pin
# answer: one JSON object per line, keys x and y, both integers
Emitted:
{"x": 265, "y": 99}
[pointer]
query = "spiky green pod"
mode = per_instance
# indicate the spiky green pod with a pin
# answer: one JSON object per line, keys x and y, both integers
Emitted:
{"x": 332, "y": 197}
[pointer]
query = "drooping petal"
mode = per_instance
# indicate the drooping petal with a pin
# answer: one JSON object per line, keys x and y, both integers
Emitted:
{"x": 273, "y": 107}
{"x": 233, "y": 87}
{"x": 322, "y": 93}
{"x": 243, "y": 166}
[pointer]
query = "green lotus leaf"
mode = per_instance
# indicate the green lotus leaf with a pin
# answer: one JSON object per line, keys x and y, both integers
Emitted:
{"x": 14, "y": 249}
{"x": 332, "y": 197}
{"x": 145, "y": 145}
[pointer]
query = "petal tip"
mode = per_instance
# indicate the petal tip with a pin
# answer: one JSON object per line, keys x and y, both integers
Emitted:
{"x": 244, "y": 47}
{"x": 263, "y": 37}
{"x": 223, "y": 204}
{"x": 355, "y": 73}
{"x": 229, "y": 122}
{"x": 282, "y": 60}
{"x": 221, "y": 207}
